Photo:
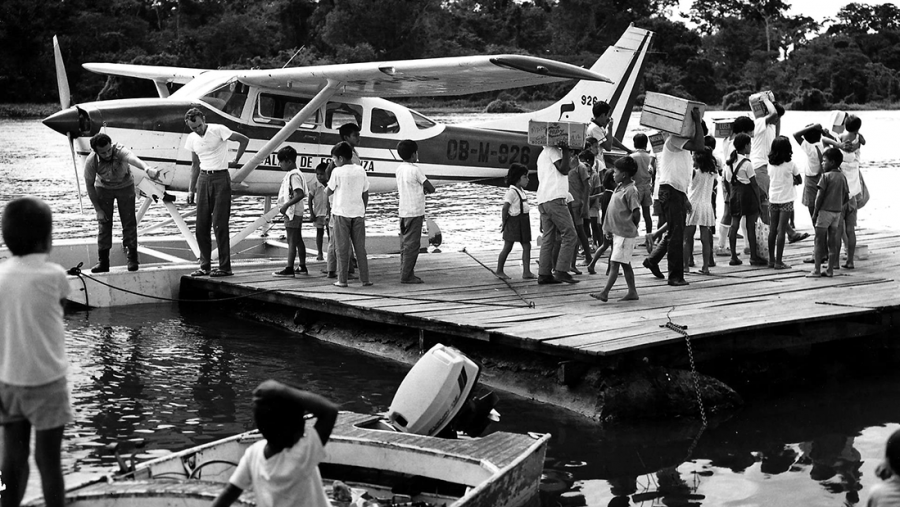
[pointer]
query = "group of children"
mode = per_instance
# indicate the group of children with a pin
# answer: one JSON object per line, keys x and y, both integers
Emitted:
{"x": 623, "y": 195}
{"x": 337, "y": 201}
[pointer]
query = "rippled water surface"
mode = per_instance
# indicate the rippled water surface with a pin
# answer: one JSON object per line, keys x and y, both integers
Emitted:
{"x": 162, "y": 377}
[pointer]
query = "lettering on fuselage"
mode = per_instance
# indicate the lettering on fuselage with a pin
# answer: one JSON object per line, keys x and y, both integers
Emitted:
{"x": 311, "y": 162}
{"x": 488, "y": 153}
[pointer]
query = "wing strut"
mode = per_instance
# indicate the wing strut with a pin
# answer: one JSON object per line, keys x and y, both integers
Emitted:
{"x": 291, "y": 126}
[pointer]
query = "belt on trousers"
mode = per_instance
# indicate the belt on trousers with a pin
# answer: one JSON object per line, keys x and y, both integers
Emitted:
{"x": 216, "y": 171}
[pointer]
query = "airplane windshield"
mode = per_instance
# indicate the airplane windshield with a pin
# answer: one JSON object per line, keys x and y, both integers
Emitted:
{"x": 229, "y": 98}
{"x": 421, "y": 121}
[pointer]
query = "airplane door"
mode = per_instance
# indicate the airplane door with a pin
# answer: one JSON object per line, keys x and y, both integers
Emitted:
{"x": 275, "y": 110}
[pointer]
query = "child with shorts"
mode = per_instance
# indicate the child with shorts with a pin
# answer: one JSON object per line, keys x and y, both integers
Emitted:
{"x": 318, "y": 206}
{"x": 290, "y": 198}
{"x": 33, "y": 364}
{"x": 283, "y": 469}
{"x": 516, "y": 225}
{"x": 783, "y": 175}
{"x": 622, "y": 219}
{"x": 832, "y": 199}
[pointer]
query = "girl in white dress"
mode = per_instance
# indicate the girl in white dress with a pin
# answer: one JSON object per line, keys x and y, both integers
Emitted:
{"x": 702, "y": 214}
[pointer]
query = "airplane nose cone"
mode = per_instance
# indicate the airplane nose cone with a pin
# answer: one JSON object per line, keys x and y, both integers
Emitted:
{"x": 64, "y": 122}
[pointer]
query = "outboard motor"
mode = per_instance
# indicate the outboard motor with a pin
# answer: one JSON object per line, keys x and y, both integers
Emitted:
{"x": 436, "y": 397}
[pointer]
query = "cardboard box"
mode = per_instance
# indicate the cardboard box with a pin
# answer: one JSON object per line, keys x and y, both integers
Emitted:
{"x": 837, "y": 121}
{"x": 671, "y": 114}
{"x": 657, "y": 141}
{"x": 722, "y": 127}
{"x": 552, "y": 133}
{"x": 758, "y": 105}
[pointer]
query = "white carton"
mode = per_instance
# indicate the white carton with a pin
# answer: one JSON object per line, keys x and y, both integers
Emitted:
{"x": 552, "y": 133}
{"x": 671, "y": 114}
{"x": 837, "y": 121}
{"x": 758, "y": 105}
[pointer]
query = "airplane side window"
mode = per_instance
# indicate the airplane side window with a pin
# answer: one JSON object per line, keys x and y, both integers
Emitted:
{"x": 280, "y": 109}
{"x": 383, "y": 122}
{"x": 229, "y": 99}
{"x": 421, "y": 121}
{"x": 339, "y": 113}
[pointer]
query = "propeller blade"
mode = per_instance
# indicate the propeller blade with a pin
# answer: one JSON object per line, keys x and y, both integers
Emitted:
{"x": 75, "y": 166}
{"x": 65, "y": 97}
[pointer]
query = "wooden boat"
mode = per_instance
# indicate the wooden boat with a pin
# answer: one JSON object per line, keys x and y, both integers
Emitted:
{"x": 498, "y": 470}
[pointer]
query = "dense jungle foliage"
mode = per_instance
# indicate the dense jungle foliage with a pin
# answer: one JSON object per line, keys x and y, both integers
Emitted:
{"x": 736, "y": 48}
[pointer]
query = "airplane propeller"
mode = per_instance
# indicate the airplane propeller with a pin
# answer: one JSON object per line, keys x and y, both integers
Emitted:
{"x": 65, "y": 98}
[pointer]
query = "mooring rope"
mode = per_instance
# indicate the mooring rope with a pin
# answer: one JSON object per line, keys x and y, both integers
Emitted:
{"x": 520, "y": 296}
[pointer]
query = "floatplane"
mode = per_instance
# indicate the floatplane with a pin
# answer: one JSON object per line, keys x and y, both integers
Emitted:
{"x": 304, "y": 107}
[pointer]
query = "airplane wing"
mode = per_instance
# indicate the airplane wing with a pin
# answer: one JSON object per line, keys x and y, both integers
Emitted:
{"x": 418, "y": 78}
{"x": 180, "y": 75}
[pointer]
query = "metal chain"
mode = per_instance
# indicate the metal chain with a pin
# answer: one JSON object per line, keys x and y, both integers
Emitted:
{"x": 687, "y": 340}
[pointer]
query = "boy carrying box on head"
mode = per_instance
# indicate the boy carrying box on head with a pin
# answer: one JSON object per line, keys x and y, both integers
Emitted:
{"x": 318, "y": 206}
{"x": 622, "y": 219}
{"x": 290, "y": 198}
{"x": 33, "y": 362}
{"x": 283, "y": 469}
{"x": 412, "y": 185}
{"x": 833, "y": 197}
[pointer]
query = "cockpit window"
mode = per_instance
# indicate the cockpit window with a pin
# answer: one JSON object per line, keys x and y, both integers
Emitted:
{"x": 383, "y": 122}
{"x": 339, "y": 113}
{"x": 422, "y": 122}
{"x": 229, "y": 98}
{"x": 280, "y": 109}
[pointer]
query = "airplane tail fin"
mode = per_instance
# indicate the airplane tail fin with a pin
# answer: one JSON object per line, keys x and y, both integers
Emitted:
{"x": 623, "y": 63}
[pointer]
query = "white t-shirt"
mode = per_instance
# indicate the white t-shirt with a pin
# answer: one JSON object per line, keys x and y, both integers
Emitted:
{"x": 410, "y": 179}
{"x": 292, "y": 181}
{"x": 781, "y": 182}
{"x": 288, "y": 478}
{"x": 518, "y": 201}
{"x": 211, "y": 148}
{"x": 676, "y": 166}
{"x": 813, "y": 157}
{"x": 597, "y": 132}
{"x": 32, "y": 334}
{"x": 744, "y": 171}
{"x": 348, "y": 182}
{"x": 552, "y": 184}
{"x": 850, "y": 168}
{"x": 761, "y": 145}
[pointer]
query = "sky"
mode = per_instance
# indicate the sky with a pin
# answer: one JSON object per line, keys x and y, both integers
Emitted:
{"x": 816, "y": 9}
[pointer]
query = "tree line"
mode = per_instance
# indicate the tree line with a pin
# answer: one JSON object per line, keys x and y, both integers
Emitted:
{"x": 733, "y": 49}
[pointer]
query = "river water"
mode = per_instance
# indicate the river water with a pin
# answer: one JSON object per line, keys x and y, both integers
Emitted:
{"x": 158, "y": 378}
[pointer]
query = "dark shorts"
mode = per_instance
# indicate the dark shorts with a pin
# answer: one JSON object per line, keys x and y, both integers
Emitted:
{"x": 294, "y": 223}
{"x": 518, "y": 229}
{"x": 810, "y": 189}
{"x": 743, "y": 201}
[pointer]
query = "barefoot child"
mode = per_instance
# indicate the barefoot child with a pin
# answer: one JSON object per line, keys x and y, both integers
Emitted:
{"x": 290, "y": 198}
{"x": 833, "y": 197}
{"x": 783, "y": 175}
{"x": 318, "y": 206}
{"x": 643, "y": 180}
{"x": 33, "y": 364}
{"x": 283, "y": 469}
{"x": 701, "y": 214}
{"x": 516, "y": 225}
{"x": 622, "y": 219}
{"x": 744, "y": 201}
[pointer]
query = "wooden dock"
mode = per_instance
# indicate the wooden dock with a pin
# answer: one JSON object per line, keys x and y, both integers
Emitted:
{"x": 735, "y": 309}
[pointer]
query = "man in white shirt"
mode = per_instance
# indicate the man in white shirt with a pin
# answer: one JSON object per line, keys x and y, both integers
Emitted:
{"x": 675, "y": 170}
{"x": 208, "y": 144}
{"x": 553, "y": 166}
{"x": 412, "y": 185}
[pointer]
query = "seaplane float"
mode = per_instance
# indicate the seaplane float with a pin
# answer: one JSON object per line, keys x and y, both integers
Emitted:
{"x": 304, "y": 107}
{"x": 425, "y": 451}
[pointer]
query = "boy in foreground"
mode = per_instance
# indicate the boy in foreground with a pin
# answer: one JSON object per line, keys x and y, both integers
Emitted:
{"x": 831, "y": 200}
{"x": 622, "y": 219}
{"x": 33, "y": 364}
{"x": 283, "y": 469}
